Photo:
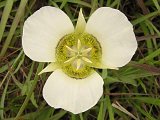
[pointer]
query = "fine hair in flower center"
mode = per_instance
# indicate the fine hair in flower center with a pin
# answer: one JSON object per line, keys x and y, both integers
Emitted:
{"x": 77, "y": 53}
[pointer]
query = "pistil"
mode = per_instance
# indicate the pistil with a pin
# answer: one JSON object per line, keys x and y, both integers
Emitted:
{"x": 77, "y": 53}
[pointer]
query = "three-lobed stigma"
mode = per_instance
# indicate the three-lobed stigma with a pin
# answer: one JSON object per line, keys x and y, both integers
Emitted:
{"x": 76, "y": 53}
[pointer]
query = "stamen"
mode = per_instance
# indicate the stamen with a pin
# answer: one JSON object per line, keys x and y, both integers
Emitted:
{"x": 79, "y": 45}
{"x": 69, "y": 60}
{"x": 78, "y": 64}
{"x": 86, "y": 60}
{"x": 85, "y": 51}
{"x": 70, "y": 49}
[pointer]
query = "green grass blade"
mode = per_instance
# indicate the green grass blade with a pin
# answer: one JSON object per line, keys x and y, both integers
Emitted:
{"x": 58, "y": 115}
{"x": 30, "y": 92}
{"x": 3, "y": 100}
{"x": 145, "y": 17}
{"x": 156, "y": 4}
{"x": 109, "y": 105}
{"x": 100, "y": 114}
{"x": 12, "y": 67}
{"x": 144, "y": 112}
{"x": 14, "y": 26}
{"x": 81, "y": 116}
{"x": 108, "y": 3}
{"x": 5, "y": 16}
{"x": 94, "y": 6}
{"x": 76, "y": 2}
{"x": 63, "y": 3}
{"x": 148, "y": 100}
{"x": 150, "y": 56}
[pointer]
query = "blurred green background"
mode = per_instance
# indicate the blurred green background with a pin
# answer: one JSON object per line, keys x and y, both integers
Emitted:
{"x": 131, "y": 93}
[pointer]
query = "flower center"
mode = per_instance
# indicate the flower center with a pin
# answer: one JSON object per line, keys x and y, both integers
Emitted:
{"x": 77, "y": 53}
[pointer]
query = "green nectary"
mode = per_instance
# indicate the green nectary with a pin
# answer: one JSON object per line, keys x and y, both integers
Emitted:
{"x": 76, "y": 53}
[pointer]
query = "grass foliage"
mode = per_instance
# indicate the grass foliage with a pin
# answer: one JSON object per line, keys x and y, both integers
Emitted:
{"x": 131, "y": 93}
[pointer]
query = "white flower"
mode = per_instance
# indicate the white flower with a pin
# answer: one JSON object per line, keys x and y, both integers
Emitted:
{"x": 106, "y": 41}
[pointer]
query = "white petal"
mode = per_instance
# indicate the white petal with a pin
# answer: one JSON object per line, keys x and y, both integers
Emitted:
{"x": 115, "y": 34}
{"x": 42, "y": 31}
{"x": 76, "y": 96}
{"x": 81, "y": 23}
{"x": 50, "y": 68}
